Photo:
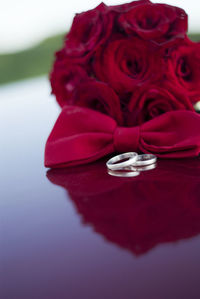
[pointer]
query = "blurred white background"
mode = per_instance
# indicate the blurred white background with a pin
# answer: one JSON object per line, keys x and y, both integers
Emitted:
{"x": 26, "y": 22}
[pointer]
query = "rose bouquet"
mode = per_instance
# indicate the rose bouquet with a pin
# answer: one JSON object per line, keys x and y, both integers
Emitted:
{"x": 134, "y": 63}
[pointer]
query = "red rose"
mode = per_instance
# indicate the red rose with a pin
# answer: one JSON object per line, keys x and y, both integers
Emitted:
{"x": 88, "y": 31}
{"x": 98, "y": 96}
{"x": 158, "y": 22}
{"x": 125, "y": 63}
{"x": 64, "y": 79}
{"x": 151, "y": 101}
{"x": 127, "y": 6}
{"x": 184, "y": 68}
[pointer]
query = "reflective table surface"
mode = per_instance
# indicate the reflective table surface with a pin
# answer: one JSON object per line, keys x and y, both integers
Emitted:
{"x": 81, "y": 233}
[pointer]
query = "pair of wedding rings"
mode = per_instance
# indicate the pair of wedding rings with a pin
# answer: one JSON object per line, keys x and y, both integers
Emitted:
{"x": 130, "y": 164}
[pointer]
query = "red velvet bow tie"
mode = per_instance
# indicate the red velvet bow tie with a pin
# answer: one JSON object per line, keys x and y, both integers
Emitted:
{"x": 81, "y": 135}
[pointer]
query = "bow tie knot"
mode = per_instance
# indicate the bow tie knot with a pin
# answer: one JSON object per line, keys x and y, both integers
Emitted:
{"x": 126, "y": 139}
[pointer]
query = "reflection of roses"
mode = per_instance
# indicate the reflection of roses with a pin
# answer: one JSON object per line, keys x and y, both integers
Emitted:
{"x": 156, "y": 22}
{"x": 125, "y": 63}
{"x": 152, "y": 101}
{"x": 184, "y": 68}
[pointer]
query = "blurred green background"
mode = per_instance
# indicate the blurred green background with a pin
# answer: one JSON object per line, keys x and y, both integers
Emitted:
{"x": 36, "y": 60}
{"x": 29, "y": 63}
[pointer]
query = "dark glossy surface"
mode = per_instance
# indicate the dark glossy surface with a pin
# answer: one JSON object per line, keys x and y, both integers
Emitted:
{"x": 80, "y": 233}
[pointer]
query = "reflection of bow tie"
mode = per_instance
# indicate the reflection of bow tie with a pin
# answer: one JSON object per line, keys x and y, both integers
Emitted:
{"x": 81, "y": 135}
{"x": 159, "y": 206}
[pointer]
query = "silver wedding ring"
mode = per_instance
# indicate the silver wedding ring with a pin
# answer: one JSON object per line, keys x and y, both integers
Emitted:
{"x": 123, "y": 174}
{"x": 133, "y": 165}
{"x": 115, "y": 164}
{"x": 141, "y": 168}
{"x": 145, "y": 159}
